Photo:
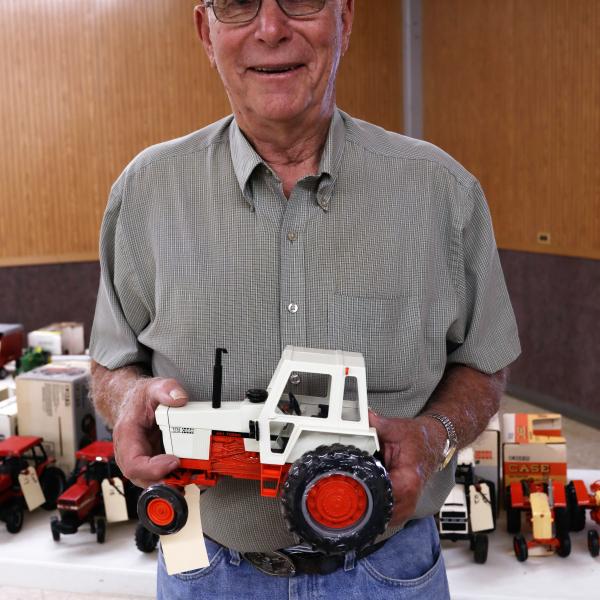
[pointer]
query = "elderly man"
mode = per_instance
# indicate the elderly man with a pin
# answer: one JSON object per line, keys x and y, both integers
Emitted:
{"x": 293, "y": 223}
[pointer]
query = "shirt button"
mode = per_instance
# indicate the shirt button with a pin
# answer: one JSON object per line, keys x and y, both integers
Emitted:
{"x": 294, "y": 379}
{"x": 292, "y": 307}
{"x": 292, "y": 236}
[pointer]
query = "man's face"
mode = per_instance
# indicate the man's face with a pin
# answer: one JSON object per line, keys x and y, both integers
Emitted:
{"x": 279, "y": 68}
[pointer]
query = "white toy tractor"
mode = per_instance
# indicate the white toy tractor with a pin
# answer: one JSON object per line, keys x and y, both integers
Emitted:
{"x": 316, "y": 453}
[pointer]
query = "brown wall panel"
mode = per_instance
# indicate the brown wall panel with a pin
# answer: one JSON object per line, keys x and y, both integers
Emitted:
{"x": 512, "y": 90}
{"x": 87, "y": 85}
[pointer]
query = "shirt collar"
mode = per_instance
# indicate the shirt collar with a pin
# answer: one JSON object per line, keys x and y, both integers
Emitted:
{"x": 245, "y": 160}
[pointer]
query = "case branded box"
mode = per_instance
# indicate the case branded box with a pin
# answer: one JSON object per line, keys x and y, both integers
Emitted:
{"x": 533, "y": 448}
{"x": 59, "y": 338}
{"x": 53, "y": 402}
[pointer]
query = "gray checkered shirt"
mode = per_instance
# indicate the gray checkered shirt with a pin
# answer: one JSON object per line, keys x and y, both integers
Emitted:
{"x": 388, "y": 251}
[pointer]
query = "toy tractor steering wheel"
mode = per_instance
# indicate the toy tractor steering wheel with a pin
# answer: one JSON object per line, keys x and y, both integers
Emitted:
{"x": 294, "y": 404}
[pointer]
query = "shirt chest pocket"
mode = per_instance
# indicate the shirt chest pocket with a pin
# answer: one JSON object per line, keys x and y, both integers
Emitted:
{"x": 387, "y": 331}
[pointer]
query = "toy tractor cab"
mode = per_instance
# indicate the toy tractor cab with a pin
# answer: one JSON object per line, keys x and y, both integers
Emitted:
{"x": 17, "y": 454}
{"x": 83, "y": 501}
{"x": 313, "y": 448}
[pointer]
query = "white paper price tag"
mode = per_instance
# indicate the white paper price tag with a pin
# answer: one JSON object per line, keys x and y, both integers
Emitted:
{"x": 31, "y": 488}
{"x": 186, "y": 550}
{"x": 115, "y": 504}
{"x": 482, "y": 515}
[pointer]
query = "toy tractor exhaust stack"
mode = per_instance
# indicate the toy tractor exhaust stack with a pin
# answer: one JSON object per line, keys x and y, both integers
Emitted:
{"x": 217, "y": 378}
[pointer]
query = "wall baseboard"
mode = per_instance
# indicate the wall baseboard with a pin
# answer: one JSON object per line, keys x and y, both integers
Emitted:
{"x": 571, "y": 411}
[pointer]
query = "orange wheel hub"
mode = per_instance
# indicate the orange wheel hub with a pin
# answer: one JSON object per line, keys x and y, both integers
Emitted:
{"x": 160, "y": 512}
{"x": 337, "y": 501}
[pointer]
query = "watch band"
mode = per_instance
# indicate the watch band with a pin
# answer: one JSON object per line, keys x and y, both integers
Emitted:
{"x": 451, "y": 441}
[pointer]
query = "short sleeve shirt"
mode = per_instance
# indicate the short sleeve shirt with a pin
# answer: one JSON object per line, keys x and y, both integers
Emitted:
{"x": 388, "y": 250}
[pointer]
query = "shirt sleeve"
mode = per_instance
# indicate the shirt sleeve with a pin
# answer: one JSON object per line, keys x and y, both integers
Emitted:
{"x": 485, "y": 336}
{"x": 121, "y": 311}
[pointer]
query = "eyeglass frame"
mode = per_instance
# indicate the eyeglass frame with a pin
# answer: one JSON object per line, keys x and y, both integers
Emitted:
{"x": 210, "y": 4}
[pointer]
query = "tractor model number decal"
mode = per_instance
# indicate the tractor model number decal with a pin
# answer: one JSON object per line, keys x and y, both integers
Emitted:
{"x": 182, "y": 430}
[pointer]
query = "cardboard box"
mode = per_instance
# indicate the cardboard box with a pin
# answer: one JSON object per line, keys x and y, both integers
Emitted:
{"x": 486, "y": 454}
{"x": 533, "y": 448}
{"x": 53, "y": 402}
{"x": 59, "y": 338}
{"x": 8, "y": 417}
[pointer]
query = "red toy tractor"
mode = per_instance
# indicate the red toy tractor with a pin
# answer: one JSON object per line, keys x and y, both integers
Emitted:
{"x": 83, "y": 501}
{"x": 578, "y": 499}
{"x": 17, "y": 454}
{"x": 546, "y": 506}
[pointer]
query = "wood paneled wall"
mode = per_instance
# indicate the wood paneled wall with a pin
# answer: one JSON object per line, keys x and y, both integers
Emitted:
{"x": 88, "y": 84}
{"x": 512, "y": 90}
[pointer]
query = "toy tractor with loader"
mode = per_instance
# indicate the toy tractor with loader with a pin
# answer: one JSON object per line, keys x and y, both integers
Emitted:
{"x": 315, "y": 452}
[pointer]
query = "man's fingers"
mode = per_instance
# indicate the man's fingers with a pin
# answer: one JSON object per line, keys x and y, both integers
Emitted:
{"x": 166, "y": 391}
{"x": 150, "y": 469}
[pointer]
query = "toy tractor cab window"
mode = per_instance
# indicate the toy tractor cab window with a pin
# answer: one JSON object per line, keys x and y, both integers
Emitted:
{"x": 307, "y": 395}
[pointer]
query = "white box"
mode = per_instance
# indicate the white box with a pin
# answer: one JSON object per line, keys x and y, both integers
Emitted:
{"x": 53, "y": 402}
{"x": 59, "y": 338}
{"x": 8, "y": 417}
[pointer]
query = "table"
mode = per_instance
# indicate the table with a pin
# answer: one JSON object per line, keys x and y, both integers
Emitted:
{"x": 79, "y": 564}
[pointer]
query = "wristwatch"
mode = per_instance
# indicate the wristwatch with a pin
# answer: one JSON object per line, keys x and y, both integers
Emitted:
{"x": 451, "y": 441}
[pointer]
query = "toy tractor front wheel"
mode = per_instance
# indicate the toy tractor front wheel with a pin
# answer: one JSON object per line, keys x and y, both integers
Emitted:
{"x": 480, "y": 548}
{"x": 564, "y": 546}
{"x": 145, "y": 541}
{"x": 101, "y": 530}
{"x": 54, "y": 529}
{"x": 14, "y": 519}
{"x": 337, "y": 498}
{"x": 162, "y": 509}
{"x": 593, "y": 543}
{"x": 520, "y": 548}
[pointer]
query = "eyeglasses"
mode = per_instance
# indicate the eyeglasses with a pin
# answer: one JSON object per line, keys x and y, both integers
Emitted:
{"x": 244, "y": 11}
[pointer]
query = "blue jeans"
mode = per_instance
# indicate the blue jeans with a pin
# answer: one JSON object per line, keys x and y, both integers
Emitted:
{"x": 409, "y": 566}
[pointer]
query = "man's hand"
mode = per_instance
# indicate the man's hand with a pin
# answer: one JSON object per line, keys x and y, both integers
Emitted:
{"x": 412, "y": 450}
{"x": 137, "y": 438}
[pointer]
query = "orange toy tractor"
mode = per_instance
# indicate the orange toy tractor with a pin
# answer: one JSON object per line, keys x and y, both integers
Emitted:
{"x": 546, "y": 507}
{"x": 17, "y": 454}
{"x": 578, "y": 499}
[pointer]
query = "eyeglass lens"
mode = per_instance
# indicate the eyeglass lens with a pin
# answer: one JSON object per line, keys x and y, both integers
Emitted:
{"x": 241, "y": 11}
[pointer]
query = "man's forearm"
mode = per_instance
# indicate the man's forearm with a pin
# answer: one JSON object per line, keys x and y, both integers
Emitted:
{"x": 110, "y": 389}
{"x": 469, "y": 398}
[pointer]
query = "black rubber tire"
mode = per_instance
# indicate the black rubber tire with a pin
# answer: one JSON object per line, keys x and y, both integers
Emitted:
{"x": 174, "y": 497}
{"x": 576, "y": 512}
{"x": 53, "y": 482}
{"x": 145, "y": 541}
{"x": 14, "y": 519}
{"x": 480, "y": 549}
{"x": 593, "y": 543}
{"x": 520, "y": 548}
{"x": 561, "y": 520}
{"x": 564, "y": 546}
{"x": 513, "y": 515}
{"x": 101, "y": 530}
{"x": 54, "y": 529}
{"x": 346, "y": 460}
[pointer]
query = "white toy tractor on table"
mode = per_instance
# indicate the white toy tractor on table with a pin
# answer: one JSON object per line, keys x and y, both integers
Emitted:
{"x": 316, "y": 453}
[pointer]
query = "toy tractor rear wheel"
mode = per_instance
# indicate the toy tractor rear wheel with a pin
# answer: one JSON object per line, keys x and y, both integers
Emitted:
{"x": 576, "y": 512}
{"x": 14, "y": 519}
{"x": 101, "y": 530}
{"x": 564, "y": 546}
{"x": 145, "y": 541}
{"x": 593, "y": 543}
{"x": 561, "y": 518}
{"x": 513, "y": 515}
{"x": 53, "y": 482}
{"x": 480, "y": 548}
{"x": 337, "y": 498}
{"x": 520, "y": 548}
{"x": 162, "y": 509}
